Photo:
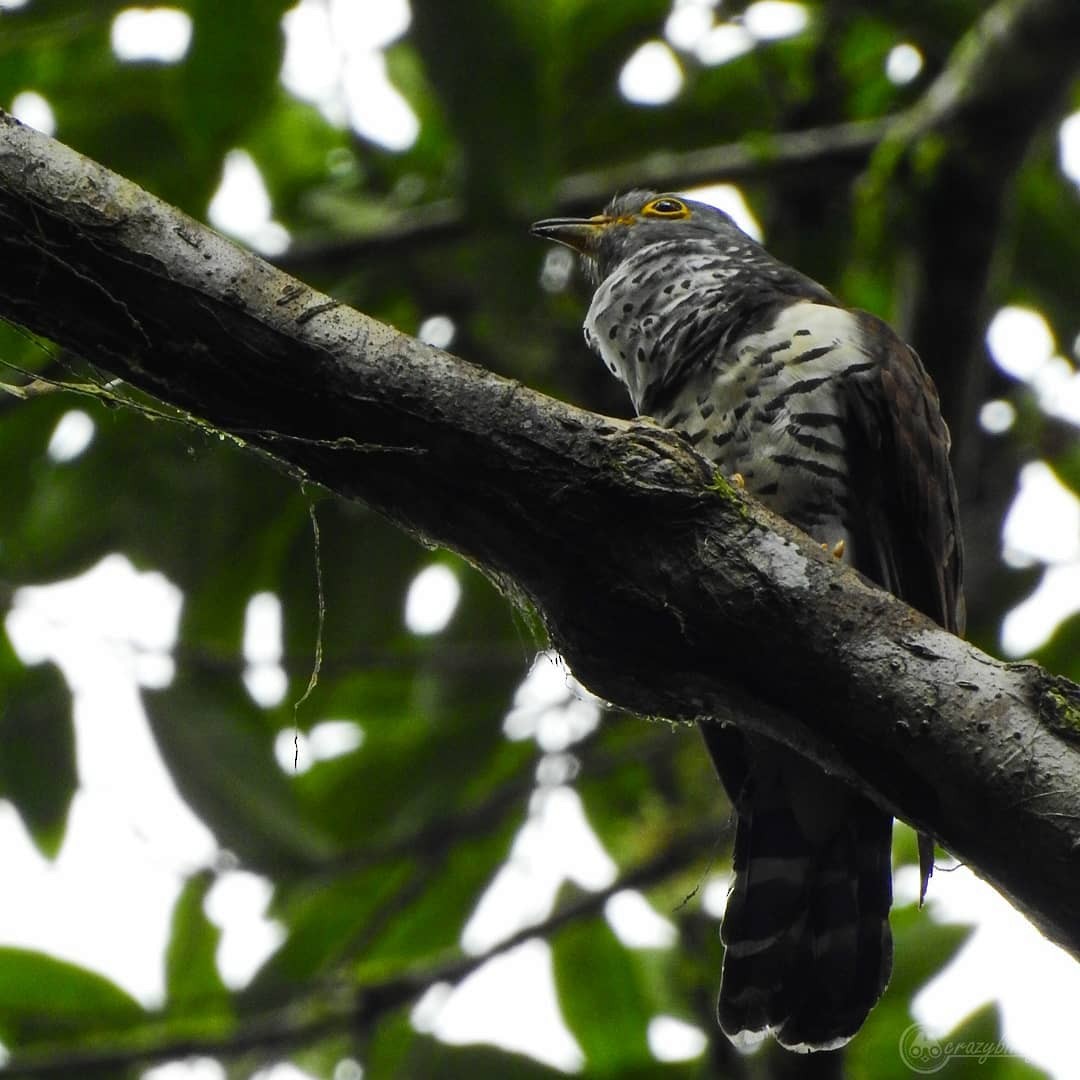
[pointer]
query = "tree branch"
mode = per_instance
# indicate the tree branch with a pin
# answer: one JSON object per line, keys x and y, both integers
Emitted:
{"x": 285, "y": 1029}
{"x": 1007, "y": 79}
{"x": 667, "y": 592}
{"x": 1012, "y": 65}
{"x": 955, "y": 153}
{"x": 847, "y": 145}
{"x": 483, "y": 818}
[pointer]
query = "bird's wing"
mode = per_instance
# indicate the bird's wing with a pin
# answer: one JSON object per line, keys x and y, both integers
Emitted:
{"x": 908, "y": 534}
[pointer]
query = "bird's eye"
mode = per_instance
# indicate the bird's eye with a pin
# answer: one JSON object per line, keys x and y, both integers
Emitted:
{"x": 666, "y": 207}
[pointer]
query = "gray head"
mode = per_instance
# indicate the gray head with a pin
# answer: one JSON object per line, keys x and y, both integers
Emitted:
{"x": 638, "y": 219}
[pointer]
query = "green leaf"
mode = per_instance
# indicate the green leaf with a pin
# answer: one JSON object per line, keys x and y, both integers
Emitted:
{"x": 430, "y": 708}
{"x": 861, "y": 55}
{"x": 975, "y": 1046}
{"x": 1042, "y": 242}
{"x": 426, "y": 922}
{"x": 922, "y": 948}
{"x": 469, "y": 48}
{"x": 325, "y": 919}
{"x": 599, "y": 979}
{"x": 133, "y": 489}
{"x": 45, "y": 1001}
{"x": 515, "y": 97}
{"x": 397, "y": 1050}
{"x": 220, "y": 752}
{"x": 634, "y": 772}
{"x": 304, "y": 161}
{"x": 191, "y": 974}
{"x": 414, "y": 770}
{"x": 37, "y": 766}
{"x": 230, "y": 73}
{"x": 366, "y": 569}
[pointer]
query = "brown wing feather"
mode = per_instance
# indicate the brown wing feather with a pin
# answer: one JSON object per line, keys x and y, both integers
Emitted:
{"x": 808, "y": 948}
{"x": 908, "y": 536}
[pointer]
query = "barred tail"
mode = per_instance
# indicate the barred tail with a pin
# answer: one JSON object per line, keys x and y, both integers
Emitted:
{"x": 808, "y": 949}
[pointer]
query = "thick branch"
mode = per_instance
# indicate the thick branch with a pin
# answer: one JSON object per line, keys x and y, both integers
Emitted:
{"x": 667, "y": 592}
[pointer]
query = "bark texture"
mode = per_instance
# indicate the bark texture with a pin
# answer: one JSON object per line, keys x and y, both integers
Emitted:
{"x": 668, "y": 592}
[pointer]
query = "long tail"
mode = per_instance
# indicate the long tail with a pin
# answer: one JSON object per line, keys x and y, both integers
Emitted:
{"x": 808, "y": 947}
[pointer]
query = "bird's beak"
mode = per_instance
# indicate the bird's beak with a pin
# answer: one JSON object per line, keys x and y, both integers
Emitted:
{"x": 581, "y": 234}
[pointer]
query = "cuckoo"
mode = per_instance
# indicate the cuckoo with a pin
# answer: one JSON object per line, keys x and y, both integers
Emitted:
{"x": 827, "y": 417}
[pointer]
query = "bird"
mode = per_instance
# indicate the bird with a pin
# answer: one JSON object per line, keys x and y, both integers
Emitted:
{"x": 828, "y": 418}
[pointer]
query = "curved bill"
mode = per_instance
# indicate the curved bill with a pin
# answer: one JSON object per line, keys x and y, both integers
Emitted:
{"x": 581, "y": 234}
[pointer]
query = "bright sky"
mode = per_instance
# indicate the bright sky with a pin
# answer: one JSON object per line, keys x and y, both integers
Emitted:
{"x": 112, "y": 630}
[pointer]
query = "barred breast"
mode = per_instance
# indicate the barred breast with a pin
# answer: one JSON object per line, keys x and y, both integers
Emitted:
{"x": 767, "y": 405}
{"x": 658, "y": 316}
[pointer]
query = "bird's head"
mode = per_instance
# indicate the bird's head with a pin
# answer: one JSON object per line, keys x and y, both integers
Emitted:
{"x": 635, "y": 221}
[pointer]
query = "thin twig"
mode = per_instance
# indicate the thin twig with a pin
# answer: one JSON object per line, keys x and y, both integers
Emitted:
{"x": 303, "y": 1023}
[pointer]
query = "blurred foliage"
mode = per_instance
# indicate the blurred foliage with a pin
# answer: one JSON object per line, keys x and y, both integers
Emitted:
{"x": 378, "y": 857}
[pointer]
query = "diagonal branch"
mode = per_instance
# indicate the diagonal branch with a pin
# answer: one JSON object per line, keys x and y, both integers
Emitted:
{"x": 954, "y": 156}
{"x": 668, "y": 593}
{"x": 757, "y": 157}
{"x": 1004, "y": 80}
{"x": 847, "y": 145}
{"x": 288, "y": 1029}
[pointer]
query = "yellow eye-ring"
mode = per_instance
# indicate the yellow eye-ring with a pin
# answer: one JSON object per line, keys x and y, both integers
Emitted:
{"x": 666, "y": 207}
